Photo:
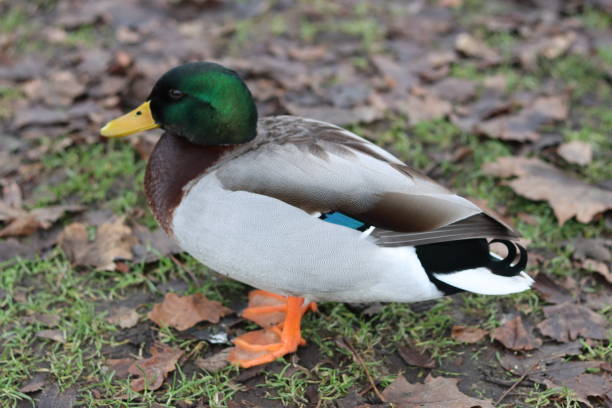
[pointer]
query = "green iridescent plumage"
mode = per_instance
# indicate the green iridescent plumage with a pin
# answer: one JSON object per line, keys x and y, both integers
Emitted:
{"x": 206, "y": 103}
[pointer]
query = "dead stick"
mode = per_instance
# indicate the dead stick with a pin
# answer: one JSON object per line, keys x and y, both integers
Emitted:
{"x": 357, "y": 357}
{"x": 183, "y": 267}
{"x": 516, "y": 383}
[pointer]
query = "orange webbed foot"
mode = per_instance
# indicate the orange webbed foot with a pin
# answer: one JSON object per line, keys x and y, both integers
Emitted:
{"x": 281, "y": 317}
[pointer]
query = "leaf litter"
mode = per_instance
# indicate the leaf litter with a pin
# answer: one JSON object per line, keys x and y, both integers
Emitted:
{"x": 411, "y": 67}
{"x": 184, "y": 312}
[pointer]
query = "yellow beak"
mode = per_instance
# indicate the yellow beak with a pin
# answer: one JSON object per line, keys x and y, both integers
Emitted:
{"x": 138, "y": 120}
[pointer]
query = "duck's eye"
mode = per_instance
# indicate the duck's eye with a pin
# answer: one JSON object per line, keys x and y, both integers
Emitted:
{"x": 175, "y": 94}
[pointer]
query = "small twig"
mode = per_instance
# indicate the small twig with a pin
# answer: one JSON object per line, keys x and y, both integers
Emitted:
{"x": 516, "y": 383}
{"x": 183, "y": 267}
{"x": 357, "y": 357}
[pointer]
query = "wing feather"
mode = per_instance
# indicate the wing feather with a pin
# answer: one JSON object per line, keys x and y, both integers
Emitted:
{"x": 319, "y": 168}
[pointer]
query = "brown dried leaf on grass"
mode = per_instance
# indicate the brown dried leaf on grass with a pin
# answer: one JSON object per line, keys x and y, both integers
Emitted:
{"x": 184, "y": 312}
{"x": 573, "y": 375}
{"x": 216, "y": 362}
{"x": 153, "y": 371}
{"x": 468, "y": 334}
{"x": 422, "y": 105}
{"x": 548, "y": 47}
{"x": 576, "y": 152}
{"x": 567, "y": 321}
{"x": 113, "y": 241}
{"x": 22, "y": 222}
{"x": 124, "y": 317}
{"x": 473, "y": 47}
{"x": 549, "y": 290}
{"x": 537, "y": 180}
{"x": 514, "y": 336}
{"x": 593, "y": 255}
{"x": 436, "y": 392}
{"x": 52, "y": 334}
{"x": 523, "y": 125}
{"x": 415, "y": 357}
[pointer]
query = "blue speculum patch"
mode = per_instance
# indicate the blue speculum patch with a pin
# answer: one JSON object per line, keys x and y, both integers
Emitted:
{"x": 344, "y": 220}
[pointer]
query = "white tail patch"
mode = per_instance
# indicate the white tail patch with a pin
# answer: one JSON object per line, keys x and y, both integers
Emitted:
{"x": 484, "y": 282}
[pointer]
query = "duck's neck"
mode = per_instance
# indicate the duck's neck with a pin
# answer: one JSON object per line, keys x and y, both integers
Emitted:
{"x": 174, "y": 162}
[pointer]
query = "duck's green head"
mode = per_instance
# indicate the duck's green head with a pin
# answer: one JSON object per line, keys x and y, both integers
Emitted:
{"x": 203, "y": 102}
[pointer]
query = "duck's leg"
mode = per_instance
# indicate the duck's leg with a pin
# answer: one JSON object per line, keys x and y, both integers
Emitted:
{"x": 281, "y": 316}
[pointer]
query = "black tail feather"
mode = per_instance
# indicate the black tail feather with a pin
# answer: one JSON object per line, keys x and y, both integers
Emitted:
{"x": 503, "y": 266}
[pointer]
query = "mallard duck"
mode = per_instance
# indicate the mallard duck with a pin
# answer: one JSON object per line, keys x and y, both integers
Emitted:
{"x": 304, "y": 210}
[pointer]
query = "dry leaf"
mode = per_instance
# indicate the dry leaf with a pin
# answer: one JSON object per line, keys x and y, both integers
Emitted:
{"x": 468, "y": 334}
{"x": 576, "y": 152}
{"x": 51, "y": 397}
{"x": 599, "y": 267}
{"x": 184, "y": 312}
{"x": 36, "y": 383}
{"x": 522, "y": 126}
{"x": 567, "y": 321}
{"x": 426, "y": 107}
{"x": 550, "y": 290}
{"x": 55, "y": 335}
{"x": 415, "y": 357}
{"x": 549, "y": 47}
{"x": 153, "y": 371}
{"x": 514, "y": 336}
{"x": 572, "y": 374}
{"x": 215, "y": 362}
{"x": 121, "y": 366}
{"x": 537, "y": 361}
{"x": 436, "y": 392}
{"x": 113, "y": 241}
{"x": 48, "y": 320}
{"x": 124, "y": 317}
{"x": 22, "y": 222}
{"x": 472, "y": 47}
{"x": 538, "y": 180}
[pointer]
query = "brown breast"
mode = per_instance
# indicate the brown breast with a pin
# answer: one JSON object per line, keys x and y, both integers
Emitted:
{"x": 174, "y": 162}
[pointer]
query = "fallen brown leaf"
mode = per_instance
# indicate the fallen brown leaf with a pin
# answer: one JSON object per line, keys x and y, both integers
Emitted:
{"x": 599, "y": 267}
{"x": 514, "y": 336}
{"x": 572, "y": 374}
{"x": 22, "y": 222}
{"x": 523, "y": 125}
{"x": 51, "y": 397}
{"x": 425, "y": 107}
{"x": 216, "y": 362}
{"x": 124, "y": 317}
{"x": 153, "y": 371}
{"x": 538, "y": 180}
{"x": 468, "y": 334}
{"x": 567, "y": 321}
{"x": 550, "y": 290}
{"x": 414, "y": 357}
{"x": 576, "y": 152}
{"x": 55, "y": 335}
{"x": 113, "y": 241}
{"x": 121, "y": 366}
{"x": 436, "y": 392}
{"x": 184, "y": 312}
{"x": 548, "y": 47}
{"x": 36, "y": 383}
{"x": 537, "y": 360}
{"x": 473, "y": 47}
{"x": 48, "y": 320}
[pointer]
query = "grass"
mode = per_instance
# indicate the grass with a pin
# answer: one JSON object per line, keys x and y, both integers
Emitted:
{"x": 109, "y": 176}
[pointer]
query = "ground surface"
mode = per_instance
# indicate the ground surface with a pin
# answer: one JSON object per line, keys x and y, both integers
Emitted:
{"x": 471, "y": 92}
